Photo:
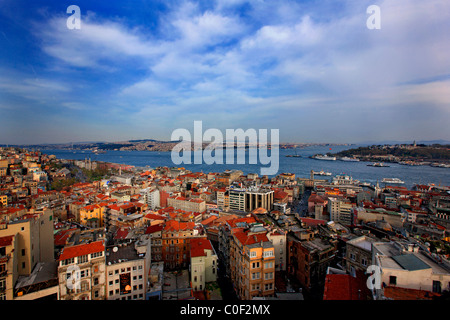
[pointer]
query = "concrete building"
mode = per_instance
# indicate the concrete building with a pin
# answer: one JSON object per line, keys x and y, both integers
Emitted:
{"x": 252, "y": 264}
{"x": 34, "y": 240}
{"x": 251, "y": 198}
{"x": 358, "y": 254}
{"x": 192, "y": 205}
{"x": 405, "y": 265}
{"x": 340, "y": 210}
{"x": 151, "y": 198}
{"x": 127, "y": 268}
{"x": 203, "y": 265}
{"x": 278, "y": 239}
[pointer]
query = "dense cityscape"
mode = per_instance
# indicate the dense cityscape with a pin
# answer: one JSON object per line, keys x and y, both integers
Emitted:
{"x": 92, "y": 230}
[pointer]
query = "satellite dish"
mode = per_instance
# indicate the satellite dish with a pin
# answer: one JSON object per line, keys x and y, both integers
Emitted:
{"x": 115, "y": 249}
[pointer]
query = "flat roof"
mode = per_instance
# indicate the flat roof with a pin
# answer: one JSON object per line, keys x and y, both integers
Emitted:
{"x": 43, "y": 271}
{"x": 410, "y": 262}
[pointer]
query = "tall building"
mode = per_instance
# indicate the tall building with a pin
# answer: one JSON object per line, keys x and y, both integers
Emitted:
{"x": 82, "y": 272}
{"x": 341, "y": 210}
{"x": 249, "y": 199}
{"x": 34, "y": 239}
{"x": 127, "y": 268}
{"x": 203, "y": 263}
{"x": 252, "y": 264}
{"x": 8, "y": 270}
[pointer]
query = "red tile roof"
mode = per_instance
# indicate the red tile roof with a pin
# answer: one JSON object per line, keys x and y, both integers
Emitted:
{"x": 198, "y": 247}
{"x": 345, "y": 287}
{"x": 6, "y": 241}
{"x": 173, "y": 225}
{"x": 81, "y": 250}
{"x": 246, "y": 239}
{"x": 155, "y": 228}
{"x": 397, "y": 293}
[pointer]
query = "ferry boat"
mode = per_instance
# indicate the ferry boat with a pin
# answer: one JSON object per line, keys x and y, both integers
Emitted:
{"x": 323, "y": 157}
{"x": 349, "y": 159}
{"x": 321, "y": 173}
{"x": 377, "y": 164}
{"x": 392, "y": 180}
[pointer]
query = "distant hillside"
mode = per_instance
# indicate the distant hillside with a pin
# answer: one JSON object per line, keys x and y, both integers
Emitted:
{"x": 421, "y": 151}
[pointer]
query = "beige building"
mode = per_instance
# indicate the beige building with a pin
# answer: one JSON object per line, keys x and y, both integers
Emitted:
{"x": 82, "y": 272}
{"x": 191, "y": 205}
{"x": 8, "y": 270}
{"x": 340, "y": 210}
{"x": 34, "y": 237}
{"x": 250, "y": 199}
{"x": 127, "y": 268}
{"x": 358, "y": 254}
{"x": 278, "y": 239}
{"x": 405, "y": 265}
{"x": 203, "y": 263}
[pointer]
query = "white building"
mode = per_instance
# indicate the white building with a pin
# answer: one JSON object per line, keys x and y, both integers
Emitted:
{"x": 127, "y": 267}
{"x": 203, "y": 263}
{"x": 406, "y": 266}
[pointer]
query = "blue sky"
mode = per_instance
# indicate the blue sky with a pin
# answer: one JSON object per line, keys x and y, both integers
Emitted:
{"x": 141, "y": 69}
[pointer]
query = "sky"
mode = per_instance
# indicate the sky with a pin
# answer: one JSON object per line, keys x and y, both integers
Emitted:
{"x": 141, "y": 69}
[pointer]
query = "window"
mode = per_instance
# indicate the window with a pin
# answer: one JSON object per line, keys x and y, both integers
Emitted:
{"x": 364, "y": 262}
{"x": 352, "y": 256}
{"x": 252, "y": 254}
{"x": 96, "y": 254}
{"x": 255, "y": 275}
{"x": 255, "y": 265}
{"x": 437, "y": 286}
{"x": 23, "y": 252}
{"x": 393, "y": 280}
{"x": 83, "y": 259}
{"x": 268, "y": 286}
{"x": 268, "y": 275}
{"x": 268, "y": 253}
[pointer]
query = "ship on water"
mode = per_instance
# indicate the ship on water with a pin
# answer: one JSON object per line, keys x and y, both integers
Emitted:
{"x": 349, "y": 159}
{"x": 392, "y": 180}
{"x": 321, "y": 173}
{"x": 377, "y": 164}
{"x": 323, "y": 157}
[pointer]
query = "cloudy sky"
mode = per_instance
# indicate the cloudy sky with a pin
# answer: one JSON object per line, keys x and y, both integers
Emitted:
{"x": 141, "y": 69}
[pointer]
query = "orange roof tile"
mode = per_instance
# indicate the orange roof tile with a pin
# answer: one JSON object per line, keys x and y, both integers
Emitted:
{"x": 81, "y": 250}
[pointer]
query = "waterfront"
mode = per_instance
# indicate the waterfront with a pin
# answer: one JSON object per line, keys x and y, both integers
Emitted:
{"x": 301, "y": 166}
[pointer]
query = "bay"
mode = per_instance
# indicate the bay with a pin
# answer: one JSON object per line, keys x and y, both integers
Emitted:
{"x": 301, "y": 166}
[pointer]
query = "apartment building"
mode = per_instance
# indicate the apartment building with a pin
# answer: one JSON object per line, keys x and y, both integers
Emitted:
{"x": 309, "y": 260}
{"x": 341, "y": 210}
{"x": 192, "y": 205}
{"x": 34, "y": 237}
{"x": 203, "y": 265}
{"x": 8, "y": 271}
{"x": 358, "y": 254}
{"x": 82, "y": 272}
{"x": 127, "y": 268}
{"x": 176, "y": 238}
{"x": 278, "y": 239}
{"x": 406, "y": 266}
{"x": 250, "y": 199}
{"x": 252, "y": 264}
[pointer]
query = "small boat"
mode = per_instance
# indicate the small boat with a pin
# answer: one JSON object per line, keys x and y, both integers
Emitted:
{"x": 349, "y": 159}
{"x": 377, "y": 164}
{"x": 392, "y": 180}
{"x": 321, "y": 173}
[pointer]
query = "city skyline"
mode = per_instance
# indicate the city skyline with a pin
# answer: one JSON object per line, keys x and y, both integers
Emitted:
{"x": 141, "y": 69}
